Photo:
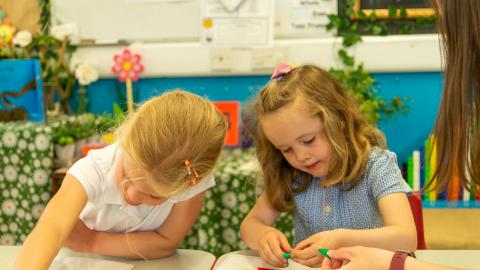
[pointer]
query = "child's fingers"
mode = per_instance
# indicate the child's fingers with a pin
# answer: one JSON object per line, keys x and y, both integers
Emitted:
{"x": 342, "y": 253}
{"x": 314, "y": 261}
{"x": 305, "y": 253}
{"x": 284, "y": 244}
{"x": 278, "y": 252}
{"x": 303, "y": 244}
{"x": 329, "y": 264}
{"x": 269, "y": 256}
{"x": 264, "y": 254}
{"x": 336, "y": 263}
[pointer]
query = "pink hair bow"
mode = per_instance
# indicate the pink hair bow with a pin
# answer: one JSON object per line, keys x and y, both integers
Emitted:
{"x": 281, "y": 70}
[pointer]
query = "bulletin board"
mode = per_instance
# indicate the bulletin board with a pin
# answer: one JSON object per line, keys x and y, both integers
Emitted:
{"x": 107, "y": 21}
{"x": 23, "y": 14}
{"x": 113, "y": 21}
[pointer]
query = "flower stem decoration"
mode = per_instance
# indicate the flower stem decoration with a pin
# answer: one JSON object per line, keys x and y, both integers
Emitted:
{"x": 127, "y": 65}
{"x": 85, "y": 74}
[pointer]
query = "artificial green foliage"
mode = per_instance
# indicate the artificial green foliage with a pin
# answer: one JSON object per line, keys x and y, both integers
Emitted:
{"x": 82, "y": 102}
{"x": 63, "y": 140}
{"x": 63, "y": 135}
{"x": 121, "y": 106}
{"x": 45, "y": 8}
{"x": 119, "y": 113}
{"x": 362, "y": 87}
{"x": 67, "y": 129}
{"x": 105, "y": 123}
{"x": 54, "y": 58}
{"x": 351, "y": 25}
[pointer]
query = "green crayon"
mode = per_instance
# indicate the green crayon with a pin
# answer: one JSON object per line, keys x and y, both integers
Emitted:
{"x": 324, "y": 252}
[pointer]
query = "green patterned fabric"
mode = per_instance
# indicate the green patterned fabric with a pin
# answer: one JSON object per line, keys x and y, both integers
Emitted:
{"x": 27, "y": 153}
{"x": 217, "y": 229}
{"x": 27, "y": 161}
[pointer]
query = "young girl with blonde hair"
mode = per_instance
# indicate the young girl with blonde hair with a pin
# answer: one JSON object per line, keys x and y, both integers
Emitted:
{"x": 322, "y": 159}
{"x": 138, "y": 197}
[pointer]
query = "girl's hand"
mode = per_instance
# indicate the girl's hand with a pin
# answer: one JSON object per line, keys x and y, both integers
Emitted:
{"x": 271, "y": 247}
{"x": 81, "y": 238}
{"x": 358, "y": 258}
{"x": 306, "y": 252}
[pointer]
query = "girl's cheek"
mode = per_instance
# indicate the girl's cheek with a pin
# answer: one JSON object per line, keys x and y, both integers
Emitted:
{"x": 133, "y": 197}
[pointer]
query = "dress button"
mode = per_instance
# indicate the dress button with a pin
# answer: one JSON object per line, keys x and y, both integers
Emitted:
{"x": 327, "y": 209}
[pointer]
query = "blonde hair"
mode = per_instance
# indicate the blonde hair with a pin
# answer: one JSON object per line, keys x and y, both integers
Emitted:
{"x": 349, "y": 134}
{"x": 169, "y": 129}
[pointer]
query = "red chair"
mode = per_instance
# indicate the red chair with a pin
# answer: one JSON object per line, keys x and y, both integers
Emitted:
{"x": 415, "y": 200}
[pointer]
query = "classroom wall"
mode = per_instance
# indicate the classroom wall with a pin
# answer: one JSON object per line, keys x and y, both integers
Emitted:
{"x": 404, "y": 133}
{"x": 395, "y": 53}
{"x": 408, "y": 132}
{"x": 177, "y": 59}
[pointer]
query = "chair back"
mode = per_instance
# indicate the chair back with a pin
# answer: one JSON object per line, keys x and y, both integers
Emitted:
{"x": 415, "y": 200}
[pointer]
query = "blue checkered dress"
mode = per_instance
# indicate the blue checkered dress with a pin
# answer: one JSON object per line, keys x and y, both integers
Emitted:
{"x": 319, "y": 209}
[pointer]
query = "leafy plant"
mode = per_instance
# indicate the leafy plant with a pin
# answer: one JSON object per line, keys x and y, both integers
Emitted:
{"x": 121, "y": 106}
{"x": 350, "y": 25}
{"x": 45, "y": 8}
{"x": 63, "y": 135}
{"x": 361, "y": 85}
{"x": 64, "y": 140}
{"x": 54, "y": 58}
{"x": 84, "y": 126}
{"x": 67, "y": 129}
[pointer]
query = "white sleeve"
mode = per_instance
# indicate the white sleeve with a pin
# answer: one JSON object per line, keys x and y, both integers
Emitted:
{"x": 89, "y": 176}
{"x": 204, "y": 184}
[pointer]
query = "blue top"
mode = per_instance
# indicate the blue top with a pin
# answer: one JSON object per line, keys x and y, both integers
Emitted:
{"x": 321, "y": 209}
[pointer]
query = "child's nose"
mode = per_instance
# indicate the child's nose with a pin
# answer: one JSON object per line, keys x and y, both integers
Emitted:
{"x": 303, "y": 156}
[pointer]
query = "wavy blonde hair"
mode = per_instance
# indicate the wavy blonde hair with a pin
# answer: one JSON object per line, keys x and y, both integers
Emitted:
{"x": 349, "y": 134}
{"x": 169, "y": 129}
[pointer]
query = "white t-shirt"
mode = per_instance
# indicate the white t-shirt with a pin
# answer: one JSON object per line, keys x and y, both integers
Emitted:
{"x": 106, "y": 209}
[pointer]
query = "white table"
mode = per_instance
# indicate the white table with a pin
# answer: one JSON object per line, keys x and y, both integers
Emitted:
{"x": 183, "y": 259}
{"x": 467, "y": 259}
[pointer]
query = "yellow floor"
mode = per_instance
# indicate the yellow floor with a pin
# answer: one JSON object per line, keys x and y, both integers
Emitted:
{"x": 452, "y": 228}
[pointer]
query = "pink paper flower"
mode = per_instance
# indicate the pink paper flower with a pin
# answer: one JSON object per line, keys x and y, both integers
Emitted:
{"x": 127, "y": 66}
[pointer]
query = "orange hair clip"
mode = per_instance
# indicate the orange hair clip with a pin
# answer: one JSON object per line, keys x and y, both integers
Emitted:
{"x": 192, "y": 173}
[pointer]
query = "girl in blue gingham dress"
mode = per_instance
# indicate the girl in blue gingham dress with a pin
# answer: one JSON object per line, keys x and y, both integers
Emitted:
{"x": 322, "y": 159}
{"x": 355, "y": 209}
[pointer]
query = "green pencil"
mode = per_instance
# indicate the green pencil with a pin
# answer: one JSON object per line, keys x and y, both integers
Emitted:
{"x": 324, "y": 252}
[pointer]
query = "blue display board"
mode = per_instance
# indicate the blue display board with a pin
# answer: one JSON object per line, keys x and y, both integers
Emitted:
{"x": 21, "y": 87}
